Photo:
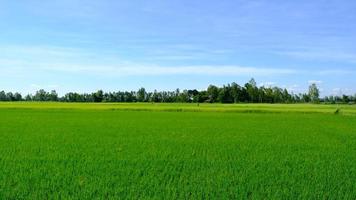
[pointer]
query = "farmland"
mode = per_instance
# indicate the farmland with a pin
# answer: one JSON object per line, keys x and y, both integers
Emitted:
{"x": 177, "y": 151}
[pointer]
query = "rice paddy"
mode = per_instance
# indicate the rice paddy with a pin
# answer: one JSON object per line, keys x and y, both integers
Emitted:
{"x": 177, "y": 151}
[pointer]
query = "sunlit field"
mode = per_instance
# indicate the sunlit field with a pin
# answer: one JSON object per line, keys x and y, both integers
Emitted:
{"x": 177, "y": 151}
{"x": 186, "y": 107}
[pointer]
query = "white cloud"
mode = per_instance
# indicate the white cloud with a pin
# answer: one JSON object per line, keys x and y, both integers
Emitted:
{"x": 40, "y": 51}
{"x": 267, "y": 84}
{"x": 336, "y": 72}
{"x": 117, "y": 67}
{"x": 156, "y": 70}
{"x": 315, "y": 81}
{"x": 38, "y": 86}
{"x": 17, "y": 60}
{"x": 76, "y": 60}
{"x": 341, "y": 91}
{"x": 295, "y": 88}
{"x": 322, "y": 55}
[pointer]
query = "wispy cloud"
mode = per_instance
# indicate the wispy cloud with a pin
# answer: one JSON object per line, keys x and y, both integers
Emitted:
{"x": 50, "y": 86}
{"x": 322, "y": 55}
{"x": 42, "y": 51}
{"x": 72, "y": 60}
{"x": 267, "y": 84}
{"x": 341, "y": 91}
{"x": 156, "y": 70}
{"x": 295, "y": 88}
{"x": 336, "y": 72}
{"x": 134, "y": 69}
{"x": 315, "y": 81}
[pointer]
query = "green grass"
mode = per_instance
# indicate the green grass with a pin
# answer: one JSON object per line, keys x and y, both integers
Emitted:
{"x": 99, "y": 151}
{"x": 184, "y": 107}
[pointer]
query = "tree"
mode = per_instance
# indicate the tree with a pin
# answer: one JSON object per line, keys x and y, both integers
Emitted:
{"x": 2, "y": 96}
{"x": 268, "y": 95}
{"x": 314, "y": 93}
{"x": 202, "y": 97}
{"x": 74, "y": 97}
{"x": 176, "y": 94}
{"x": 252, "y": 90}
{"x": 193, "y": 95}
{"x": 183, "y": 96}
{"x": 17, "y": 97}
{"x": 98, "y": 96}
{"x": 41, "y": 95}
{"x": 236, "y": 92}
{"x": 345, "y": 99}
{"x": 155, "y": 96}
{"x": 141, "y": 95}
{"x": 287, "y": 98}
{"x": 10, "y": 96}
{"x": 213, "y": 93}
{"x": 225, "y": 94}
{"x": 29, "y": 97}
{"x": 230, "y": 93}
{"x": 53, "y": 96}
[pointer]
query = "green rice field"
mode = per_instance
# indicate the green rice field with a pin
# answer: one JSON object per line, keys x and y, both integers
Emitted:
{"x": 177, "y": 151}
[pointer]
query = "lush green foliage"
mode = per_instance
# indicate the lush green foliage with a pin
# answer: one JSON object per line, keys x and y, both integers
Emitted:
{"x": 314, "y": 93}
{"x": 231, "y": 93}
{"x": 87, "y": 151}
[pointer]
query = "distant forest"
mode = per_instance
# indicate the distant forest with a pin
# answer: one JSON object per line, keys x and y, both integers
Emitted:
{"x": 230, "y": 93}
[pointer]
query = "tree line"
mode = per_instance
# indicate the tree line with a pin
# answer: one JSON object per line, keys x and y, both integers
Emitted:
{"x": 230, "y": 93}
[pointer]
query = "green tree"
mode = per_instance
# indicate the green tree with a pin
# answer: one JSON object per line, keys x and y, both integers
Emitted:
{"x": 98, "y": 96}
{"x": 10, "y": 96}
{"x": 17, "y": 97}
{"x": 53, "y": 96}
{"x": 193, "y": 95}
{"x": 155, "y": 96}
{"x": 183, "y": 96}
{"x": 141, "y": 95}
{"x": 213, "y": 93}
{"x": 252, "y": 90}
{"x": 236, "y": 92}
{"x": 2, "y": 96}
{"x": 225, "y": 95}
{"x": 314, "y": 93}
{"x": 29, "y": 97}
{"x": 345, "y": 99}
{"x": 41, "y": 95}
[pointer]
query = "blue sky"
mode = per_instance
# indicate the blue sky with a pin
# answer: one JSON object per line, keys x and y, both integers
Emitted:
{"x": 77, "y": 45}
